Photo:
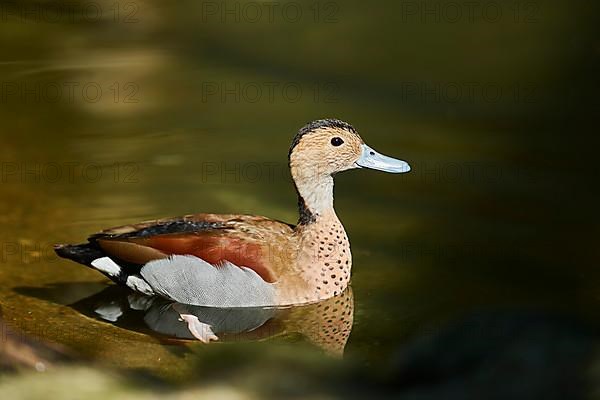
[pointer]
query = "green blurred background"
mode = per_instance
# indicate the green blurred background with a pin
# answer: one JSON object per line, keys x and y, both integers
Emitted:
{"x": 115, "y": 112}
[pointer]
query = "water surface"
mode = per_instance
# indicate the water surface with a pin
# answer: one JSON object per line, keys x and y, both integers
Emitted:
{"x": 493, "y": 217}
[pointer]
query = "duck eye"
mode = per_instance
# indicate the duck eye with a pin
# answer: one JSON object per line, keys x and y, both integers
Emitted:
{"x": 336, "y": 141}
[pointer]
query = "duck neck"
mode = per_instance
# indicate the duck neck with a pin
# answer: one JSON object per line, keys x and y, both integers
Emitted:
{"x": 315, "y": 199}
{"x": 324, "y": 259}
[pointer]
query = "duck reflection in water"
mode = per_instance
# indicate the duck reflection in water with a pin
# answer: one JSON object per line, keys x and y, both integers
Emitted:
{"x": 326, "y": 324}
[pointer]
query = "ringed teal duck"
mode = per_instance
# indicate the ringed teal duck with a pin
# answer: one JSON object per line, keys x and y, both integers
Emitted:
{"x": 240, "y": 260}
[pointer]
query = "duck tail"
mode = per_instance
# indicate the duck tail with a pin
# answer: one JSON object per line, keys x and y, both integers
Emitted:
{"x": 91, "y": 255}
{"x": 81, "y": 253}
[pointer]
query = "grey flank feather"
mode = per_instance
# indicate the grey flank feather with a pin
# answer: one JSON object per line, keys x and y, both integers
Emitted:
{"x": 191, "y": 280}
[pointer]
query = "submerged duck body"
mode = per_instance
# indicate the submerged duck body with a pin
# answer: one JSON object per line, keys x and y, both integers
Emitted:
{"x": 241, "y": 260}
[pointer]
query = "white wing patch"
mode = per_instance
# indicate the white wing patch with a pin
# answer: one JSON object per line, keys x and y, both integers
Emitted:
{"x": 191, "y": 280}
{"x": 109, "y": 312}
{"x": 139, "y": 285}
{"x": 106, "y": 265}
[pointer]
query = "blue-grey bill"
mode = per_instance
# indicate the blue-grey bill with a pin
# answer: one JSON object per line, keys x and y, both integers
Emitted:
{"x": 372, "y": 159}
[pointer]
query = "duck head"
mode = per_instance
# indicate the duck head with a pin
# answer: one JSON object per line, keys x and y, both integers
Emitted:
{"x": 319, "y": 151}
